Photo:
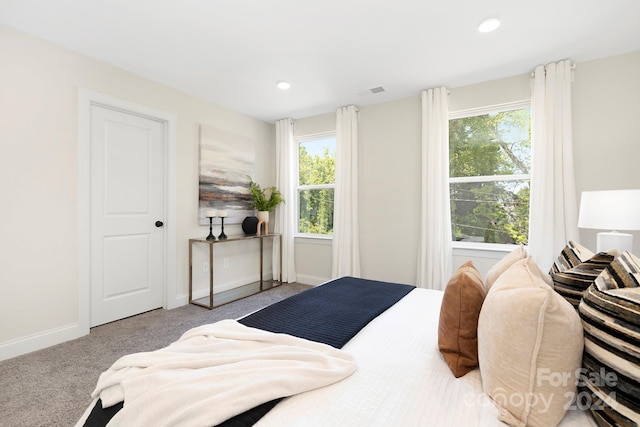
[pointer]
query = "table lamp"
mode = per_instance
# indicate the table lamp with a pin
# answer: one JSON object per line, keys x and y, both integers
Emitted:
{"x": 611, "y": 210}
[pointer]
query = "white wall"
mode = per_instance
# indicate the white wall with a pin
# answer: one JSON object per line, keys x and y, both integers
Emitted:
{"x": 39, "y": 84}
{"x": 606, "y": 111}
{"x": 606, "y": 103}
{"x": 389, "y": 177}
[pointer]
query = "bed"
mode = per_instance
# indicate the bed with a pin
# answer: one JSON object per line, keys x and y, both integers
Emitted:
{"x": 401, "y": 377}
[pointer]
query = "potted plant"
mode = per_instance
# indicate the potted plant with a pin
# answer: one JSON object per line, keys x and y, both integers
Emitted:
{"x": 264, "y": 200}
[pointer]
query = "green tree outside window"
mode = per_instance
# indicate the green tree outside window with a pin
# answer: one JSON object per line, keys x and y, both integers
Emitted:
{"x": 316, "y": 171}
{"x": 490, "y": 161}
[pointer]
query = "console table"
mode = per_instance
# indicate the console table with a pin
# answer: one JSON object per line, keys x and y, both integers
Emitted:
{"x": 211, "y": 244}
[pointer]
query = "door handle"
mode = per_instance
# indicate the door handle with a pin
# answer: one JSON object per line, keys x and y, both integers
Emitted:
{"x": 159, "y": 224}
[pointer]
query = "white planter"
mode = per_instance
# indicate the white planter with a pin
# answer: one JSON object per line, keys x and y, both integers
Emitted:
{"x": 263, "y": 216}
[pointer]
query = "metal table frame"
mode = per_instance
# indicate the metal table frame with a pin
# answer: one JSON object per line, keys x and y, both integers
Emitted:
{"x": 211, "y": 244}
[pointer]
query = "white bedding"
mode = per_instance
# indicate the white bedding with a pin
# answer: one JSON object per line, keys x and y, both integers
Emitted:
{"x": 402, "y": 380}
{"x": 214, "y": 372}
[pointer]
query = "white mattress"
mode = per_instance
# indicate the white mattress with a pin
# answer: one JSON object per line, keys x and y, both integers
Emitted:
{"x": 402, "y": 380}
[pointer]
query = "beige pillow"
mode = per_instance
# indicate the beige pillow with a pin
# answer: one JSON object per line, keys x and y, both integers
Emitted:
{"x": 529, "y": 348}
{"x": 458, "y": 326}
{"x": 502, "y": 266}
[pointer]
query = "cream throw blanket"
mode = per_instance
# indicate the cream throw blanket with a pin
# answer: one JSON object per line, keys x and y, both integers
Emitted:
{"x": 214, "y": 372}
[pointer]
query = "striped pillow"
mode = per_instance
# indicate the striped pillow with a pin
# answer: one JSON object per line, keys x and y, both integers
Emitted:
{"x": 623, "y": 272}
{"x": 572, "y": 255}
{"x": 572, "y": 283}
{"x": 610, "y": 378}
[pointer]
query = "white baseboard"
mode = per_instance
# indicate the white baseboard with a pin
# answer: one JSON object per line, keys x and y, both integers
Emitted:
{"x": 40, "y": 340}
{"x": 24, "y": 345}
{"x": 182, "y": 299}
{"x": 219, "y": 288}
{"x": 306, "y": 279}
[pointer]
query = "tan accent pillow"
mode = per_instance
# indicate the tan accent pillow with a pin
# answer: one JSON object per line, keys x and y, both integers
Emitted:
{"x": 529, "y": 347}
{"x": 502, "y": 266}
{"x": 458, "y": 326}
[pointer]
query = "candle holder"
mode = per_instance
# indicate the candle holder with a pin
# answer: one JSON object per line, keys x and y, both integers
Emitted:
{"x": 211, "y": 236}
{"x": 222, "y": 236}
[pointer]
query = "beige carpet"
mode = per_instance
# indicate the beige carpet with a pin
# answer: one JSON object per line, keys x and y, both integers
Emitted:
{"x": 52, "y": 387}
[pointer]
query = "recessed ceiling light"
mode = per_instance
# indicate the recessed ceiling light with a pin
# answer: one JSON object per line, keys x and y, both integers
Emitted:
{"x": 489, "y": 25}
{"x": 283, "y": 85}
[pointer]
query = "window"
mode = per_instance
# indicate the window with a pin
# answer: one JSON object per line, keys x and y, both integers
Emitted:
{"x": 489, "y": 174}
{"x": 316, "y": 183}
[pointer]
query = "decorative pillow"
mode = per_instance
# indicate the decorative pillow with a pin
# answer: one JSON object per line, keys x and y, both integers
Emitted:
{"x": 572, "y": 283}
{"x": 572, "y": 255}
{"x": 610, "y": 313}
{"x": 458, "y": 327}
{"x": 529, "y": 348}
{"x": 502, "y": 266}
{"x": 622, "y": 272}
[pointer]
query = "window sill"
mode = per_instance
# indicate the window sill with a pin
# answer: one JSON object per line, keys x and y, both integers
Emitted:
{"x": 314, "y": 239}
{"x": 484, "y": 250}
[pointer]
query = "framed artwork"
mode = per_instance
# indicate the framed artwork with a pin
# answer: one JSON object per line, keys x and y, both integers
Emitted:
{"x": 227, "y": 163}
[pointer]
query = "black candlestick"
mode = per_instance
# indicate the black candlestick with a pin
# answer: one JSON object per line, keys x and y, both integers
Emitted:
{"x": 211, "y": 236}
{"x": 222, "y": 236}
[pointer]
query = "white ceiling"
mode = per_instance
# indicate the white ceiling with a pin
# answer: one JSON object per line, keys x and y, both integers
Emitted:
{"x": 232, "y": 52}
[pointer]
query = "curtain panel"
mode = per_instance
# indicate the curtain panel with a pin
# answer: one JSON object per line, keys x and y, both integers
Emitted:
{"x": 553, "y": 215}
{"x": 285, "y": 221}
{"x": 434, "y": 242}
{"x": 346, "y": 241}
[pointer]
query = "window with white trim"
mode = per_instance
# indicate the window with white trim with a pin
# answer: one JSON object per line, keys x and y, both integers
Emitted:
{"x": 316, "y": 184}
{"x": 490, "y": 174}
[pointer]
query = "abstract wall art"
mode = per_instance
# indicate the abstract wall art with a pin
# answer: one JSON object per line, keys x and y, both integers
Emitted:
{"x": 227, "y": 163}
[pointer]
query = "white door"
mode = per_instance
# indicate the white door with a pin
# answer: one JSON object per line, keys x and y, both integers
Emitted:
{"x": 127, "y": 214}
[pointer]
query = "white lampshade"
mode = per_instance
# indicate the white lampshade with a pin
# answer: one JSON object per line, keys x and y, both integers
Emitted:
{"x": 611, "y": 210}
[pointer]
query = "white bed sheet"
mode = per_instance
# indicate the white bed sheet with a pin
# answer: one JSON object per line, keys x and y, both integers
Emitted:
{"x": 402, "y": 380}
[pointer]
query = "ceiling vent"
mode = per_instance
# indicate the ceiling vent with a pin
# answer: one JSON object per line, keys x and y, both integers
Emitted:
{"x": 371, "y": 91}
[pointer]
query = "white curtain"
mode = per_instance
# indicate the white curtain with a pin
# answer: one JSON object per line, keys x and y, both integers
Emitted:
{"x": 434, "y": 243}
{"x": 285, "y": 212}
{"x": 553, "y": 216}
{"x": 346, "y": 242}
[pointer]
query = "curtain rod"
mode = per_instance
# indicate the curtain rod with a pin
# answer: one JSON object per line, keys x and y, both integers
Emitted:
{"x": 573, "y": 67}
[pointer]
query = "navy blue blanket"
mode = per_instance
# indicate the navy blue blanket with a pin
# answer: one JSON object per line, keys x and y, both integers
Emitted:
{"x": 331, "y": 314}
